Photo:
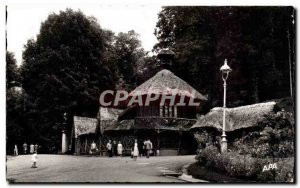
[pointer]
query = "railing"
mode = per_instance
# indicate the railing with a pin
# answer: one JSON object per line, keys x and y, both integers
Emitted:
{"x": 164, "y": 123}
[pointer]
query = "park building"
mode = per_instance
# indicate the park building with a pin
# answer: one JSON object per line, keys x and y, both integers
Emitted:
{"x": 166, "y": 125}
{"x": 176, "y": 129}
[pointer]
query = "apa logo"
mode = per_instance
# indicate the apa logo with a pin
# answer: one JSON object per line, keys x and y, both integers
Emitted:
{"x": 270, "y": 167}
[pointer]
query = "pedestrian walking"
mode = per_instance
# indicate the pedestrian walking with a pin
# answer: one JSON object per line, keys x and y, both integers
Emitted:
{"x": 31, "y": 149}
{"x": 135, "y": 150}
{"x": 16, "y": 151}
{"x": 120, "y": 149}
{"x": 115, "y": 148}
{"x": 148, "y": 147}
{"x": 34, "y": 160}
{"x": 109, "y": 148}
{"x": 25, "y": 148}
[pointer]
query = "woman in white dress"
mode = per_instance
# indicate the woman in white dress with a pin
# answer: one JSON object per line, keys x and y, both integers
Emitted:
{"x": 135, "y": 150}
{"x": 120, "y": 149}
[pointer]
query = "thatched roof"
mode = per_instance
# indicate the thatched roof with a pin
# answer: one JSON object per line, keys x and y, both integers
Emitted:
{"x": 164, "y": 83}
{"x": 84, "y": 125}
{"x": 154, "y": 123}
{"x": 109, "y": 118}
{"x": 236, "y": 118}
{"x": 117, "y": 125}
{"x": 109, "y": 113}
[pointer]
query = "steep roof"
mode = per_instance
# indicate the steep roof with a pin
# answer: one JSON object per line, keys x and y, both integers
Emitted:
{"x": 236, "y": 118}
{"x": 109, "y": 113}
{"x": 84, "y": 125}
{"x": 109, "y": 118}
{"x": 166, "y": 82}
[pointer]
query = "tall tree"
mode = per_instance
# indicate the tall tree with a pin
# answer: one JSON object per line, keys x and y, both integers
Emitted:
{"x": 14, "y": 126}
{"x": 202, "y": 37}
{"x": 64, "y": 70}
{"x": 189, "y": 32}
{"x": 128, "y": 54}
{"x": 12, "y": 73}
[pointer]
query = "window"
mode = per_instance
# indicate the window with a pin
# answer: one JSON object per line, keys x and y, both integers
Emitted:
{"x": 168, "y": 111}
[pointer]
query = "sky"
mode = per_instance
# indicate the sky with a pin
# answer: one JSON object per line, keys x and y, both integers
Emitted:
{"x": 24, "y": 21}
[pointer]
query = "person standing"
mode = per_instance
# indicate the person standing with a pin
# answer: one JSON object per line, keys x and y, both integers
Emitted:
{"x": 151, "y": 147}
{"x": 31, "y": 149}
{"x": 115, "y": 148}
{"x": 120, "y": 149}
{"x": 109, "y": 148}
{"x": 140, "y": 147}
{"x": 93, "y": 148}
{"x": 25, "y": 148}
{"x": 135, "y": 150}
{"x": 148, "y": 147}
{"x": 34, "y": 160}
{"x": 16, "y": 150}
{"x": 36, "y": 148}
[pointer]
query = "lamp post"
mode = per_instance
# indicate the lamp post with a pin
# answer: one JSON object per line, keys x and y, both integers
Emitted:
{"x": 225, "y": 69}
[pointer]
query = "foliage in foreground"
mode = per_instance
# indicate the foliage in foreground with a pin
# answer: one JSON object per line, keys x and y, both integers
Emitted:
{"x": 244, "y": 166}
{"x": 270, "y": 141}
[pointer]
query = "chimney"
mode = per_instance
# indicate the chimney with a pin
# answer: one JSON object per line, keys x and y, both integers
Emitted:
{"x": 165, "y": 59}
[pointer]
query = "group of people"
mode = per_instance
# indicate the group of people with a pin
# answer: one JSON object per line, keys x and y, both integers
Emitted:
{"x": 115, "y": 149}
{"x": 32, "y": 149}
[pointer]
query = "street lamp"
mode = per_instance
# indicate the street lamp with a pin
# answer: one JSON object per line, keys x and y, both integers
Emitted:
{"x": 225, "y": 69}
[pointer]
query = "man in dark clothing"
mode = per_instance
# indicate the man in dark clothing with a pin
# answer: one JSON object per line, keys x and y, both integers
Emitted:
{"x": 109, "y": 148}
{"x": 114, "y": 148}
{"x": 36, "y": 147}
{"x": 141, "y": 148}
{"x": 25, "y": 148}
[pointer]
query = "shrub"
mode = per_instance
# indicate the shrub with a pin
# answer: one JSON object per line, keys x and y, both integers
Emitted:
{"x": 207, "y": 156}
{"x": 244, "y": 166}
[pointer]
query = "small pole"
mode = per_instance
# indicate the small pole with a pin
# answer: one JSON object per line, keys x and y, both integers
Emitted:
{"x": 225, "y": 71}
{"x": 224, "y": 140}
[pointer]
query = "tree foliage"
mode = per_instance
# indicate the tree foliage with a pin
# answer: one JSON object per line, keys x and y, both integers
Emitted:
{"x": 253, "y": 39}
{"x": 15, "y": 130}
{"x": 12, "y": 73}
{"x": 64, "y": 70}
{"x": 128, "y": 54}
{"x": 72, "y": 60}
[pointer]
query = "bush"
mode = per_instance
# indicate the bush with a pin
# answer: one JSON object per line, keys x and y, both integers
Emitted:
{"x": 244, "y": 166}
{"x": 208, "y": 156}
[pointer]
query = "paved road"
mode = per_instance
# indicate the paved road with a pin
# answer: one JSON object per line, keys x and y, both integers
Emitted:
{"x": 67, "y": 168}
